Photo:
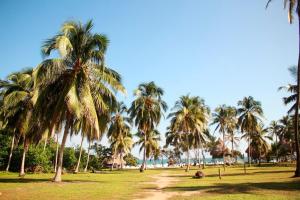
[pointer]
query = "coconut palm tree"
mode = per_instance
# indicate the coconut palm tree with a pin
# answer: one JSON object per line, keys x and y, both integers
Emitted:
{"x": 149, "y": 146}
{"x": 250, "y": 113}
{"x": 189, "y": 119}
{"x": 259, "y": 141}
{"x": 119, "y": 133}
{"x": 225, "y": 119}
{"x": 274, "y": 129}
{"x": 16, "y": 110}
{"x": 146, "y": 110}
{"x": 77, "y": 86}
{"x": 294, "y": 6}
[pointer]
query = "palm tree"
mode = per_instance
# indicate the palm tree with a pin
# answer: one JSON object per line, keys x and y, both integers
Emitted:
{"x": 119, "y": 133}
{"x": 225, "y": 118}
{"x": 188, "y": 120}
{"x": 259, "y": 141}
{"x": 75, "y": 86}
{"x": 294, "y": 5}
{"x": 274, "y": 129}
{"x": 149, "y": 146}
{"x": 250, "y": 114}
{"x": 146, "y": 110}
{"x": 17, "y": 108}
{"x": 88, "y": 157}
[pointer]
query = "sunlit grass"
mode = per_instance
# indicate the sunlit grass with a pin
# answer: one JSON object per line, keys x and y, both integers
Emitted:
{"x": 259, "y": 183}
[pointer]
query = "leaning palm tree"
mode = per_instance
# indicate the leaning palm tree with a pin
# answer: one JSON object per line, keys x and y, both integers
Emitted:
{"x": 16, "y": 110}
{"x": 146, "y": 110}
{"x": 75, "y": 86}
{"x": 188, "y": 119}
{"x": 294, "y": 6}
{"x": 250, "y": 114}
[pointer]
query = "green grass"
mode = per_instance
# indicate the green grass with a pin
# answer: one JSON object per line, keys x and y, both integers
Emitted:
{"x": 264, "y": 183}
{"x": 259, "y": 183}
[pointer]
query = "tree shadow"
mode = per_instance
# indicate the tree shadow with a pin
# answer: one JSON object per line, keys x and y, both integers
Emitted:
{"x": 247, "y": 188}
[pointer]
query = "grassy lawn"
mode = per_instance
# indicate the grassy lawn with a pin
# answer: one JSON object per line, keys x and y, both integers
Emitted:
{"x": 115, "y": 185}
{"x": 259, "y": 183}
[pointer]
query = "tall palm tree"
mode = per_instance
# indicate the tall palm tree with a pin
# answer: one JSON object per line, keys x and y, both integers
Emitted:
{"x": 149, "y": 146}
{"x": 250, "y": 114}
{"x": 294, "y": 6}
{"x": 16, "y": 110}
{"x": 189, "y": 119}
{"x": 274, "y": 129}
{"x": 259, "y": 141}
{"x": 119, "y": 133}
{"x": 146, "y": 110}
{"x": 225, "y": 119}
{"x": 75, "y": 86}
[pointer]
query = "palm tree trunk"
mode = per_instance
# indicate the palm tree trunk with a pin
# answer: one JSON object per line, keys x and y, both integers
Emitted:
{"x": 121, "y": 159}
{"x": 259, "y": 157}
{"x": 56, "y": 153}
{"x": 297, "y": 172}
{"x": 57, "y": 177}
{"x": 277, "y": 148}
{"x": 143, "y": 167}
{"x": 188, "y": 160}
{"x": 249, "y": 151}
{"x": 45, "y": 144}
{"x": 22, "y": 169}
{"x": 11, "y": 152}
{"x": 113, "y": 162}
{"x": 224, "y": 151}
{"x": 202, "y": 151}
{"x": 78, "y": 162}
{"x": 88, "y": 158}
{"x": 199, "y": 157}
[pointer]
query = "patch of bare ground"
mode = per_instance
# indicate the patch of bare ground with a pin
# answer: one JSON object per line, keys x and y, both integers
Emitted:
{"x": 162, "y": 181}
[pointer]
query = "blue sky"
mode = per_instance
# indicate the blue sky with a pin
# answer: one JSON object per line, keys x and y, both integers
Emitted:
{"x": 218, "y": 50}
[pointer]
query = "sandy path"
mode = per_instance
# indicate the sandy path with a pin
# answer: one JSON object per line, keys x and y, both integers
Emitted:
{"x": 162, "y": 181}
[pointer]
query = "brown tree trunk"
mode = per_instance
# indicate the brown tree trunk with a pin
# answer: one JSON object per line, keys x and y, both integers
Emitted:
{"x": 143, "y": 167}
{"x": 121, "y": 159}
{"x": 79, "y": 158}
{"x": 11, "y": 152}
{"x": 56, "y": 153}
{"x": 88, "y": 158}
{"x": 224, "y": 151}
{"x": 296, "y": 124}
{"x": 113, "y": 162}
{"x": 57, "y": 177}
{"x": 249, "y": 151}
{"x": 22, "y": 169}
{"x": 188, "y": 160}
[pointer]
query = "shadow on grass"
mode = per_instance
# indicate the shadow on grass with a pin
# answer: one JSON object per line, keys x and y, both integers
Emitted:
{"x": 247, "y": 188}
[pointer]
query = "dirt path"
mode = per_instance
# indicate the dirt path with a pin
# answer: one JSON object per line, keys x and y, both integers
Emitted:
{"x": 162, "y": 181}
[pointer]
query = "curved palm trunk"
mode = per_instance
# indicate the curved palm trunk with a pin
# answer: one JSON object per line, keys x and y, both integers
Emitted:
{"x": 79, "y": 158}
{"x": 56, "y": 153}
{"x": 11, "y": 152}
{"x": 199, "y": 157}
{"x": 296, "y": 123}
{"x": 22, "y": 169}
{"x": 57, "y": 177}
{"x": 88, "y": 158}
